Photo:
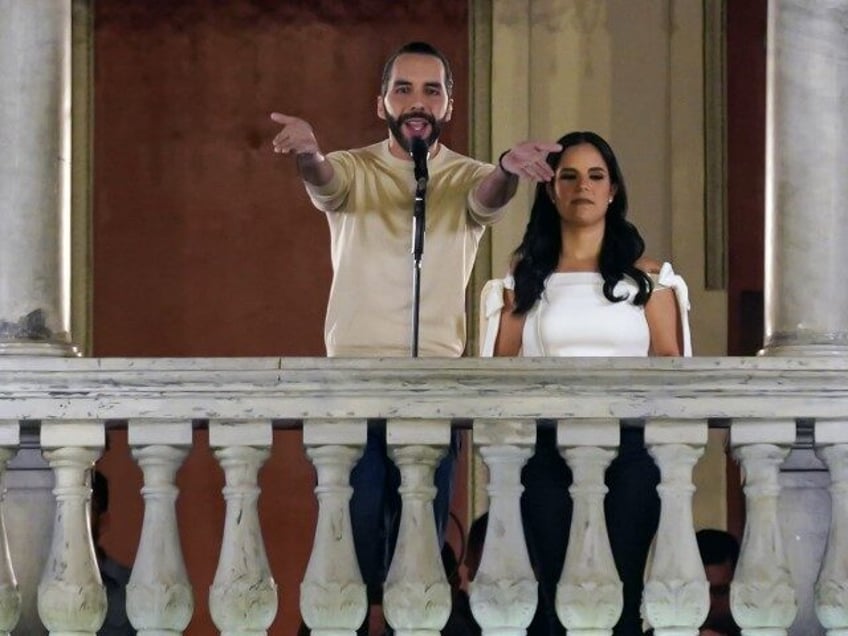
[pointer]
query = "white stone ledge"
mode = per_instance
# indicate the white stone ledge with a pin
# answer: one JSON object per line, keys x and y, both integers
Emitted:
{"x": 319, "y": 432}
{"x": 601, "y": 431}
{"x": 10, "y": 433}
{"x": 692, "y": 432}
{"x": 156, "y": 432}
{"x": 240, "y": 433}
{"x": 428, "y": 388}
{"x": 74, "y": 433}
{"x": 781, "y": 431}
{"x": 504, "y": 432}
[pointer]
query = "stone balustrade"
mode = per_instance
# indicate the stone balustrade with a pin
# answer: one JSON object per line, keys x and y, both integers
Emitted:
{"x": 763, "y": 401}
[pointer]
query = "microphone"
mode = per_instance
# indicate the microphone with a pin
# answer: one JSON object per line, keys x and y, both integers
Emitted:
{"x": 420, "y": 152}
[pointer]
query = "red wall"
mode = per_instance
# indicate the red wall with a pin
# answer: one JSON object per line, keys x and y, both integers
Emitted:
{"x": 746, "y": 148}
{"x": 204, "y": 241}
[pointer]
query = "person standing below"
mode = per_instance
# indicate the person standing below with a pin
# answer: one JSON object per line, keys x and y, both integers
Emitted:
{"x": 581, "y": 286}
{"x": 114, "y": 575}
{"x": 367, "y": 195}
{"x": 719, "y": 553}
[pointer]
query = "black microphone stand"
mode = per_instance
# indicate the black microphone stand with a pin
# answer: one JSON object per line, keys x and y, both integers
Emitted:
{"x": 421, "y": 178}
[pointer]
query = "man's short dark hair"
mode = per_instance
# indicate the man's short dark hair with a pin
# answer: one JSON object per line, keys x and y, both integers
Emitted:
{"x": 416, "y": 48}
{"x": 717, "y": 547}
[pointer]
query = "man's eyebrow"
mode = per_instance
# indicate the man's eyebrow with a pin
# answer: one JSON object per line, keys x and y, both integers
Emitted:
{"x": 406, "y": 82}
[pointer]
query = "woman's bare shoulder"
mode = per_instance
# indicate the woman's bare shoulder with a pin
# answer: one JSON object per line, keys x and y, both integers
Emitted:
{"x": 649, "y": 265}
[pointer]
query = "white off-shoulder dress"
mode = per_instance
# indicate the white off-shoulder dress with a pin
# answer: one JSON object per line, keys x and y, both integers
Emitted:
{"x": 574, "y": 318}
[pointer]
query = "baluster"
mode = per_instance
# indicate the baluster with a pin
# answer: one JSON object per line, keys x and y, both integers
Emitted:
{"x": 676, "y": 599}
{"x": 831, "y": 589}
{"x": 762, "y": 598}
{"x": 243, "y": 596}
{"x": 71, "y": 596}
{"x": 159, "y": 595}
{"x": 589, "y": 594}
{"x": 504, "y": 593}
{"x": 10, "y": 596}
{"x": 417, "y": 597}
{"x": 333, "y": 600}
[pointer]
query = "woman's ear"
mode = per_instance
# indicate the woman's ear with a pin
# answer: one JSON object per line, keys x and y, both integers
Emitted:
{"x": 550, "y": 190}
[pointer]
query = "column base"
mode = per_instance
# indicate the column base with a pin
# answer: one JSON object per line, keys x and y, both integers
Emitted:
{"x": 28, "y": 348}
{"x": 791, "y": 345}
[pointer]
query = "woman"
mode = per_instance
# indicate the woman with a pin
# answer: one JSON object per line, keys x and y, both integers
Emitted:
{"x": 580, "y": 286}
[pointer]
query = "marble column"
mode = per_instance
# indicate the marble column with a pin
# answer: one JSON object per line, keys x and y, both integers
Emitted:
{"x": 806, "y": 298}
{"x": 35, "y": 67}
{"x": 806, "y": 230}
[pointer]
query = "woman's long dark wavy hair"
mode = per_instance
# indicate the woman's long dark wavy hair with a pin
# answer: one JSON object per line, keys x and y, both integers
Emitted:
{"x": 538, "y": 255}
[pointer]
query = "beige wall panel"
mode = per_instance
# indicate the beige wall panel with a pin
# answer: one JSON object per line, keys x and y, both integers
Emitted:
{"x": 631, "y": 70}
{"x": 571, "y": 67}
{"x": 709, "y": 308}
{"x": 510, "y": 114}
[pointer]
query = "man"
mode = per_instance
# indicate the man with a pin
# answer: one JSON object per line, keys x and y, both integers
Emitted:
{"x": 367, "y": 195}
{"x": 719, "y": 553}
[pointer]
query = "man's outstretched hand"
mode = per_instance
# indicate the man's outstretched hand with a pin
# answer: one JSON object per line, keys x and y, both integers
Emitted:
{"x": 296, "y": 136}
{"x": 528, "y": 160}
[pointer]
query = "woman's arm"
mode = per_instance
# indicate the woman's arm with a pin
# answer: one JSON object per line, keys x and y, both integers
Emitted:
{"x": 508, "y": 342}
{"x": 663, "y": 323}
{"x": 662, "y": 315}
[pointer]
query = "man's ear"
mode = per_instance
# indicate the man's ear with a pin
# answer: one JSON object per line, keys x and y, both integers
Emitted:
{"x": 381, "y": 107}
{"x": 449, "y": 111}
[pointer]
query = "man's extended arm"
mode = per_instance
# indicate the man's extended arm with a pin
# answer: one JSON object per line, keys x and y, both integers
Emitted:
{"x": 297, "y": 137}
{"x": 528, "y": 160}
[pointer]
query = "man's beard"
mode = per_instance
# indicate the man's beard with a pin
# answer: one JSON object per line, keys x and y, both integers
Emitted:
{"x": 396, "y": 128}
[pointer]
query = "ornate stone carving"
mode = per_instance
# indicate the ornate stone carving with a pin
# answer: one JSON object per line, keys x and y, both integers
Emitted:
{"x": 676, "y": 598}
{"x": 504, "y": 592}
{"x": 761, "y": 595}
{"x": 332, "y": 595}
{"x": 332, "y": 607}
{"x": 159, "y": 595}
{"x": 10, "y": 596}
{"x": 243, "y": 596}
{"x": 71, "y": 597}
{"x": 417, "y": 597}
{"x": 417, "y": 608}
{"x": 831, "y": 592}
{"x": 589, "y": 596}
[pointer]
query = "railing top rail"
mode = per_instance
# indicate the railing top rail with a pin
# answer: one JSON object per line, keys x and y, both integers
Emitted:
{"x": 296, "y": 388}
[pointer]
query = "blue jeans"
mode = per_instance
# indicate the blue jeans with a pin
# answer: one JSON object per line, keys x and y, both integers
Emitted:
{"x": 375, "y": 505}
